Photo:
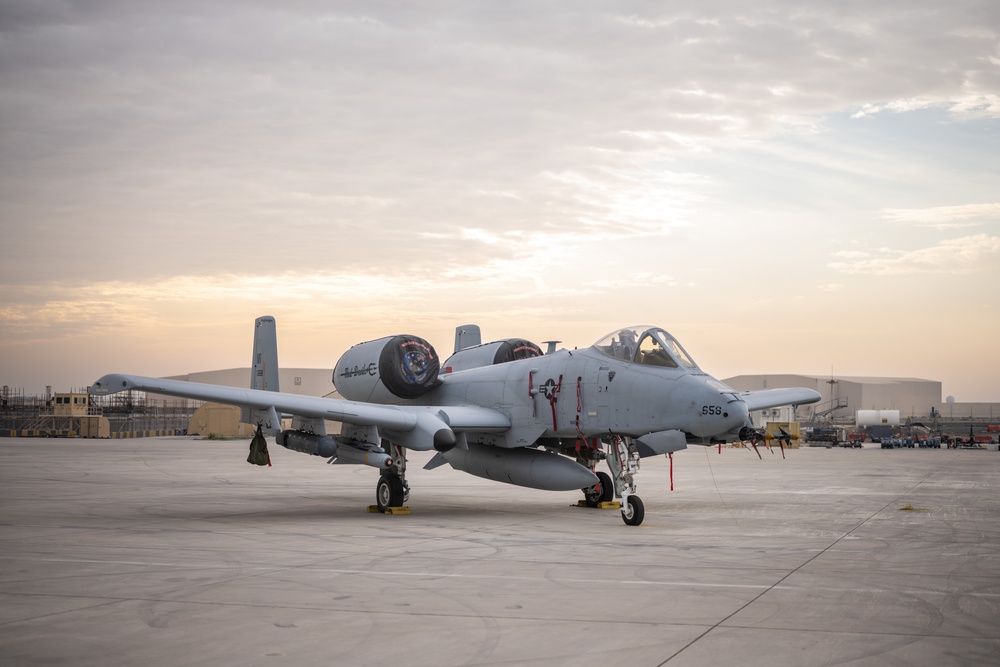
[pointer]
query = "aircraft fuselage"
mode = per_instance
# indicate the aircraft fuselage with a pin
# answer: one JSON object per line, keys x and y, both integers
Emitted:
{"x": 584, "y": 393}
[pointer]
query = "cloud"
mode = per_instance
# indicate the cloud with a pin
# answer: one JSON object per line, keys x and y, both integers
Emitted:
{"x": 978, "y": 104}
{"x": 502, "y": 285}
{"x": 132, "y": 117}
{"x": 107, "y": 306}
{"x": 970, "y": 254}
{"x": 943, "y": 217}
{"x": 897, "y": 106}
{"x": 190, "y": 161}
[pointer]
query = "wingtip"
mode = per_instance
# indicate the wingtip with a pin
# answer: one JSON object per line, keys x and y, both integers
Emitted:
{"x": 110, "y": 384}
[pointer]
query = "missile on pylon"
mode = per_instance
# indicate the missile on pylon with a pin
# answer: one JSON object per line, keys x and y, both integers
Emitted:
{"x": 348, "y": 454}
{"x": 533, "y": 468}
{"x": 327, "y": 447}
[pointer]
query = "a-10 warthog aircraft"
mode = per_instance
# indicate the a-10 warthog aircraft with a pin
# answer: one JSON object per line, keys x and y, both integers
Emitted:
{"x": 504, "y": 410}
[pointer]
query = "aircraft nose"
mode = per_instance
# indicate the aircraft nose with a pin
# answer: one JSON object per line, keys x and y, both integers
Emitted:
{"x": 739, "y": 413}
{"x": 735, "y": 412}
{"x": 722, "y": 410}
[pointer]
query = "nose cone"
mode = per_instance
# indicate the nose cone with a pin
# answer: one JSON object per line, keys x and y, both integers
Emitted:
{"x": 739, "y": 413}
{"x": 719, "y": 410}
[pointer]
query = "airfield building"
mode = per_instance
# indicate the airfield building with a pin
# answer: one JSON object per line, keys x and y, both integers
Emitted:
{"x": 844, "y": 396}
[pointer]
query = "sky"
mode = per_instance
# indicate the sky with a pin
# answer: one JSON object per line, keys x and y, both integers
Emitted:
{"x": 787, "y": 187}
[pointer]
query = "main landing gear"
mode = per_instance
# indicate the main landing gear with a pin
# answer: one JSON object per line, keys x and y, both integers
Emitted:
{"x": 623, "y": 461}
{"x": 602, "y": 492}
{"x": 392, "y": 490}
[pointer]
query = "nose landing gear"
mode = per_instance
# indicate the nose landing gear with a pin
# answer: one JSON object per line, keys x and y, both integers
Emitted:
{"x": 623, "y": 460}
{"x": 633, "y": 511}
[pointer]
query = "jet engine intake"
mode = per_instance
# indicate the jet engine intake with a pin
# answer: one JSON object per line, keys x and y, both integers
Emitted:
{"x": 387, "y": 370}
{"x": 490, "y": 354}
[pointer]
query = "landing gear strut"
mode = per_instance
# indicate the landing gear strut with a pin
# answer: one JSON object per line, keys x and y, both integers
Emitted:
{"x": 392, "y": 489}
{"x": 623, "y": 460}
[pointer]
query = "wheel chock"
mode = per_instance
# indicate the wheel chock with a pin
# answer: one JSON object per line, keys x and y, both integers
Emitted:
{"x": 373, "y": 509}
{"x": 608, "y": 505}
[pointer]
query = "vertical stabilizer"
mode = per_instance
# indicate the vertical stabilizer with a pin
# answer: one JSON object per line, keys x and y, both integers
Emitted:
{"x": 264, "y": 365}
{"x": 263, "y": 371}
{"x": 467, "y": 335}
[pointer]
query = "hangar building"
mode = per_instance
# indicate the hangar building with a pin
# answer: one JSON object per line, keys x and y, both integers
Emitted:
{"x": 844, "y": 396}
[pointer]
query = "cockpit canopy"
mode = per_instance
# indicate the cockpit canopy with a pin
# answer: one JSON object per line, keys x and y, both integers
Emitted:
{"x": 647, "y": 345}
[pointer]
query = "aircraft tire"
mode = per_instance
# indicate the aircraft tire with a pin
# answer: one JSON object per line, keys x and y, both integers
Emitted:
{"x": 607, "y": 488}
{"x": 605, "y": 495}
{"x": 634, "y": 513}
{"x": 389, "y": 492}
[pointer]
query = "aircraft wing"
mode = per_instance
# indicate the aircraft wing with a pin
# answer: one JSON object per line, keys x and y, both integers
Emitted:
{"x": 773, "y": 398}
{"x": 417, "y": 421}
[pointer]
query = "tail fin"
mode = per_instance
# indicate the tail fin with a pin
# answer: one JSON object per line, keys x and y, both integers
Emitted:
{"x": 263, "y": 371}
{"x": 264, "y": 364}
{"x": 467, "y": 335}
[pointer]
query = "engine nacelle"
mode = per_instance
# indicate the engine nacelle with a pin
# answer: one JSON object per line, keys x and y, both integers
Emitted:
{"x": 387, "y": 370}
{"x": 489, "y": 354}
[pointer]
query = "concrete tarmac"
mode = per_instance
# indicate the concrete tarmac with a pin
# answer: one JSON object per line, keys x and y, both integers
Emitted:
{"x": 175, "y": 551}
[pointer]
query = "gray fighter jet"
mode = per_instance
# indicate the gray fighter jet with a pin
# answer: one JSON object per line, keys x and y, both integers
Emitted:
{"x": 504, "y": 410}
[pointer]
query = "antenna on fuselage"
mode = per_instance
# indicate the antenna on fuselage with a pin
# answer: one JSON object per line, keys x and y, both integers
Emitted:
{"x": 550, "y": 345}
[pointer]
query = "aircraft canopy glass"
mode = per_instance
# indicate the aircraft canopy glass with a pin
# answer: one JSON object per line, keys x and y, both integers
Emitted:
{"x": 647, "y": 345}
